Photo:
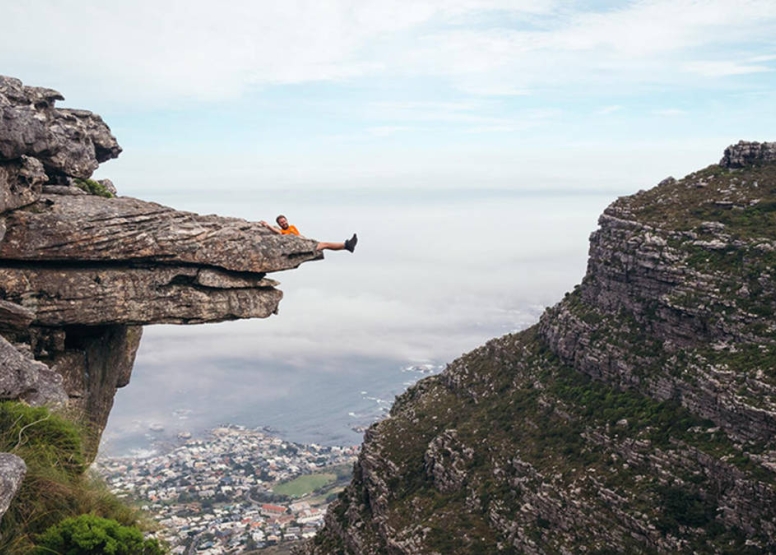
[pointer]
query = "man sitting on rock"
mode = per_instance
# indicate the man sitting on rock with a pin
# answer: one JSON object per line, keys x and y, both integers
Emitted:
{"x": 287, "y": 229}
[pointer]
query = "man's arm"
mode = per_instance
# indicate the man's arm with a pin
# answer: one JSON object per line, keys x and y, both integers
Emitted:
{"x": 272, "y": 228}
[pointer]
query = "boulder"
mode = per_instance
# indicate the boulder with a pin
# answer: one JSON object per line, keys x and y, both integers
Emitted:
{"x": 18, "y": 375}
{"x": 29, "y": 380}
{"x": 12, "y": 472}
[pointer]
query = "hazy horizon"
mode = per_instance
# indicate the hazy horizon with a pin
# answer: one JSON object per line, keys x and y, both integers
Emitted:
{"x": 432, "y": 278}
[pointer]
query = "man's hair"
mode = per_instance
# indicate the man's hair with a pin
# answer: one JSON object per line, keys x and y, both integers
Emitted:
{"x": 277, "y": 220}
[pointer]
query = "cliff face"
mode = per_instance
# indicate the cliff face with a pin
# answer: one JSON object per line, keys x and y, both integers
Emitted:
{"x": 80, "y": 274}
{"x": 636, "y": 417}
{"x": 680, "y": 283}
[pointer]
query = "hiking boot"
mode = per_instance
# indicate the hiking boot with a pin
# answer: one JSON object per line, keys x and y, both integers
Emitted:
{"x": 350, "y": 244}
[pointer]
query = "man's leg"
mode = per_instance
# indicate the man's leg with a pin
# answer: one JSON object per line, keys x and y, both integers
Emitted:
{"x": 330, "y": 246}
{"x": 350, "y": 245}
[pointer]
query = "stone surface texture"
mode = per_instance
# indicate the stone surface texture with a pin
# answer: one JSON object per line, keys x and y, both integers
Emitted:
{"x": 638, "y": 415}
{"x": 80, "y": 274}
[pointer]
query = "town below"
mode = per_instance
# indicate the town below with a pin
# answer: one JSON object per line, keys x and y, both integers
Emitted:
{"x": 232, "y": 491}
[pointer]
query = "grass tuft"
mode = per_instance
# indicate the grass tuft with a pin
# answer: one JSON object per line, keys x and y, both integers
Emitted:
{"x": 93, "y": 187}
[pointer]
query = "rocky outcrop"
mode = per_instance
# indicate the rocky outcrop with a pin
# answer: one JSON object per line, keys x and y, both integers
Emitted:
{"x": 12, "y": 471}
{"x": 746, "y": 153}
{"x": 69, "y": 143}
{"x": 82, "y": 270}
{"x": 91, "y": 260}
{"x": 106, "y": 231}
{"x": 637, "y": 416}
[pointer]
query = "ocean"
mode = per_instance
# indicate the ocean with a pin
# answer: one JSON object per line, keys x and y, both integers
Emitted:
{"x": 325, "y": 408}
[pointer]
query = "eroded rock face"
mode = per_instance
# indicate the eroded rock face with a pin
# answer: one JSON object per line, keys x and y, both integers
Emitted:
{"x": 638, "y": 415}
{"x": 80, "y": 274}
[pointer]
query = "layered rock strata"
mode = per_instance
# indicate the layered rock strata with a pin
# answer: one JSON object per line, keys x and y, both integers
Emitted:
{"x": 81, "y": 273}
{"x": 638, "y": 415}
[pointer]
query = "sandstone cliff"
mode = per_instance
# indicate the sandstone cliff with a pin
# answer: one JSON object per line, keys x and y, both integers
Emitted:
{"x": 80, "y": 273}
{"x": 638, "y": 415}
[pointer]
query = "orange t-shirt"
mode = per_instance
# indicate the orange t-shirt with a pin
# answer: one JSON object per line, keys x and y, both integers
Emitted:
{"x": 290, "y": 230}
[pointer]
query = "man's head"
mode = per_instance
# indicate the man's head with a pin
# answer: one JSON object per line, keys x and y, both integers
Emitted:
{"x": 282, "y": 221}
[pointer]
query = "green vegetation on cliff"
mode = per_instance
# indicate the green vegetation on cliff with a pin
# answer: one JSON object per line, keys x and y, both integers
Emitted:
{"x": 57, "y": 485}
{"x": 93, "y": 187}
{"x": 742, "y": 200}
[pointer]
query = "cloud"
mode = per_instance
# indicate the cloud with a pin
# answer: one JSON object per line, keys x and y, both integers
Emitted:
{"x": 433, "y": 110}
{"x": 174, "y": 51}
{"x": 726, "y": 68}
{"x": 640, "y": 42}
{"x": 763, "y": 58}
{"x": 387, "y": 130}
{"x": 491, "y": 85}
{"x": 473, "y": 116}
{"x": 645, "y": 28}
{"x": 606, "y": 110}
{"x": 669, "y": 112}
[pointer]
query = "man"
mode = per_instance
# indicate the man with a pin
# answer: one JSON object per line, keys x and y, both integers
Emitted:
{"x": 287, "y": 229}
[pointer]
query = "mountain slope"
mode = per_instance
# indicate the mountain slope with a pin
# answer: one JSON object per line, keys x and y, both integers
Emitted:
{"x": 637, "y": 416}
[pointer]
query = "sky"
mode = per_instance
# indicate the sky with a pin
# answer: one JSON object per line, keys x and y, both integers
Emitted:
{"x": 403, "y": 93}
{"x": 472, "y": 144}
